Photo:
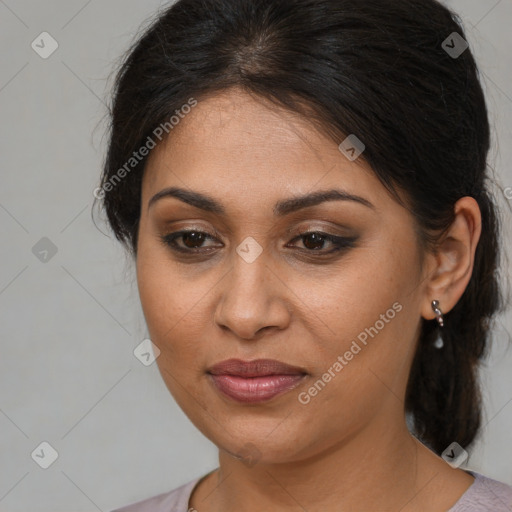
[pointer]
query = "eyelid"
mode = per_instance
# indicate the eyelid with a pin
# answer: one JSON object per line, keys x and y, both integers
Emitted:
{"x": 338, "y": 241}
{"x": 212, "y": 232}
{"x": 169, "y": 238}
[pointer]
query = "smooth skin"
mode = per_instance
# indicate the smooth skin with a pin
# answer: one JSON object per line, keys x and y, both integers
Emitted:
{"x": 349, "y": 448}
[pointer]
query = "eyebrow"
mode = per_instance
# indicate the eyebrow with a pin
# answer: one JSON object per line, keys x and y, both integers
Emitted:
{"x": 281, "y": 208}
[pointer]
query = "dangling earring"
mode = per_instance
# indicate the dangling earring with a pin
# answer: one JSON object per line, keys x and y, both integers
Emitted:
{"x": 439, "y": 317}
{"x": 439, "y": 343}
{"x": 438, "y": 312}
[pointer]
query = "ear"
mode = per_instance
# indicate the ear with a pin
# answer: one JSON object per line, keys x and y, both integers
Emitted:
{"x": 452, "y": 264}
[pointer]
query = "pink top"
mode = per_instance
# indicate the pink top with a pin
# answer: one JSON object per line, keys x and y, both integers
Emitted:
{"x": 484, "y": 495}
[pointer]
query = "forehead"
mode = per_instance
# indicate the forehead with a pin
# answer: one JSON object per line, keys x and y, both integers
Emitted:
{"x": 234, "y": 142}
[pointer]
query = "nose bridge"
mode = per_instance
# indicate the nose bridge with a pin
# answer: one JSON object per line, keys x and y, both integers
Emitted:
{"x": 250, "y": 278}
{"x": 248, "y": 289}
{"x": 250, "y": 298}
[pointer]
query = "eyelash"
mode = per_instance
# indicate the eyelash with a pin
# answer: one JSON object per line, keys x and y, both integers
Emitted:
{"x": 339, "y": 243}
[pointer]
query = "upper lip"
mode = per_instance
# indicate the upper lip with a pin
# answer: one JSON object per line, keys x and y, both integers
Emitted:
{"x": 255, "y": 368}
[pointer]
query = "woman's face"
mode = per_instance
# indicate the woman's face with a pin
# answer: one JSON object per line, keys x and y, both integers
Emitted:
{"x": 245, "y": 285}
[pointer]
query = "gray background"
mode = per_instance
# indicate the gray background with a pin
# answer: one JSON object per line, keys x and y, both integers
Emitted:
{"x": 68, "y": 374}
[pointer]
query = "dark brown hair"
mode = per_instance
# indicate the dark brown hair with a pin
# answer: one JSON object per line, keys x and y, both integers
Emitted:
{"x": 376, "y": 69}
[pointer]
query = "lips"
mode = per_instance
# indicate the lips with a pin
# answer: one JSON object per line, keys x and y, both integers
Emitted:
{"x": 254, "y": 381}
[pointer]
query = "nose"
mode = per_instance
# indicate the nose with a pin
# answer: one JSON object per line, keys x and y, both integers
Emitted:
{"x": 253, "y": 299}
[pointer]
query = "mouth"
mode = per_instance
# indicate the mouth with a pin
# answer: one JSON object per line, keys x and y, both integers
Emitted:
{"x": 255, "y": 381}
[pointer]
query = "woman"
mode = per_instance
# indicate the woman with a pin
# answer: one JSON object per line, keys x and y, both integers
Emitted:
{"x": 303, "y": 188}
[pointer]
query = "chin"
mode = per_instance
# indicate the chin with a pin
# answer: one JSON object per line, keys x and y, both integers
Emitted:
{"x": 262, "y": 442}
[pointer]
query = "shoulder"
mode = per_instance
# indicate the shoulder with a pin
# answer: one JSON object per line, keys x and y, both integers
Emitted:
{"x": 175, "y": 500}
{"x": 483, "y": 495}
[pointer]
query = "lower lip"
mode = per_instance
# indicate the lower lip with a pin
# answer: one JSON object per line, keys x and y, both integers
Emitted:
{"x": 255, "y": 389}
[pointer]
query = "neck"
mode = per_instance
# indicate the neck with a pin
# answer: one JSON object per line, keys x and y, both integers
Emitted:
{"x": 376, "y": 469}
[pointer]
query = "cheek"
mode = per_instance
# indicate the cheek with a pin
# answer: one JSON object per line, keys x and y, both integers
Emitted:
{"x": 172, "y": 311}
{"x": 176, "y": 312}
{"x": 367, "y": 316}
{"x": 353, "y": 297}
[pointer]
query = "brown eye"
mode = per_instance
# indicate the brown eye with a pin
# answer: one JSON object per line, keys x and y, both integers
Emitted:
{"x": 314, "y": 241}
{"x": 192, "y": 241}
